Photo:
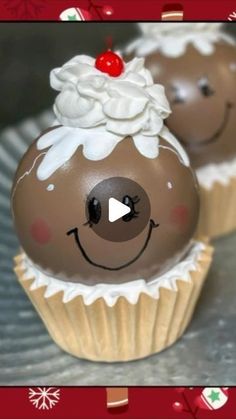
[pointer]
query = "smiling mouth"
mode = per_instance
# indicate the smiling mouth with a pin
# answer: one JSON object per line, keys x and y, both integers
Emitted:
{"x": 215, "y": 136}
{"x": 75, "y": 233}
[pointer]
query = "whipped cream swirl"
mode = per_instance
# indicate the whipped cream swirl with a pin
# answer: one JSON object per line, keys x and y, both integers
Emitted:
{"x": 172, "y": 39}
{"x": 97, "y": 111}
{"x": 128, "y": 104}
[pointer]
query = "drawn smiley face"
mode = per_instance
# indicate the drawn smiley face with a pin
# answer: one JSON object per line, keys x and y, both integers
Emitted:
{"x": 56, "y": 219}
{"x": 202, "y": 94}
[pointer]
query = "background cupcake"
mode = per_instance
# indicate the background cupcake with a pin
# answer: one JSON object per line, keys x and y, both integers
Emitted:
{"x": 109, "y": 291}
{"x": 196, "y": 62}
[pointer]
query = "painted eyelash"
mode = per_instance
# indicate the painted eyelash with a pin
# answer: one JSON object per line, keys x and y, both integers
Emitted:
{"x": 135, "y": 199}
{"x": 88, "y": 223}
{"x": 133, "y": 214}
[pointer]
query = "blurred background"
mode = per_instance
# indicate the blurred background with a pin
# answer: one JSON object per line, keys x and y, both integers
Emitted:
{"x": 28, "y": 51}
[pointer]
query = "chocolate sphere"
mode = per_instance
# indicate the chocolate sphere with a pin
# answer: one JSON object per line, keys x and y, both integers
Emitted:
{"x": 202, "y": 94}
{"x": 45, "y": 212}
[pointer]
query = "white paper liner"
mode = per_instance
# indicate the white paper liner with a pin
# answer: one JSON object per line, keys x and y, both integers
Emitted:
{"x": 216, "y": 172}
{"x": 111, "y": 292}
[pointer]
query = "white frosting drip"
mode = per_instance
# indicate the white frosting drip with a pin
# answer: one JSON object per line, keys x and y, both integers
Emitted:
{"x": 98, "y": 111}
{"x": 216, "y": 172}
{"x": 97, "y": 144}
{"x": 172, "y": 39}
{"x": 111, "y": 292}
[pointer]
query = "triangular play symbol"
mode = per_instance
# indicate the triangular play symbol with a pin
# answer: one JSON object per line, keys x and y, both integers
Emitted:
{"x": 116, "y": 210}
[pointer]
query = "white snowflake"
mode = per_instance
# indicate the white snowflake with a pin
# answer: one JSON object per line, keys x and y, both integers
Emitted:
{"x": 232, "y": 16}
{"x": 44, "y": 397}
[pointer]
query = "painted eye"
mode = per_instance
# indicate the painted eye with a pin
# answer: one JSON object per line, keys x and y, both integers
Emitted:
{"x": 205, "y": 87}
{"x": 130, "y": 202}
{"x": 94, "y": 211}
{"x": 178, "y": 95}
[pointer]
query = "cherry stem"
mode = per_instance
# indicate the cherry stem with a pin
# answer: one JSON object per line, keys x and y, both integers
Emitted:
{"x": 109, "y": 42}
{"x": 193, "y": 413}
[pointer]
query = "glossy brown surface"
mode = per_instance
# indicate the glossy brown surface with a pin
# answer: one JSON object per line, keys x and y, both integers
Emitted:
{"x": 43, "y": 218}
{"x": 28, "y": 354}
{"x": 202, "y": 94}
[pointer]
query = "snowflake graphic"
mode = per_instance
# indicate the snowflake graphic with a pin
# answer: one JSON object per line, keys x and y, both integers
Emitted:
{"x": 232, "y": 16}
{"x": 25, "y": 9}
{"x": 43, "y": 397}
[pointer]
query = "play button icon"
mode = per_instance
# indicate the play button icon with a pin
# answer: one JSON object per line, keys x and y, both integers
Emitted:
{"x": 117, "y": 210}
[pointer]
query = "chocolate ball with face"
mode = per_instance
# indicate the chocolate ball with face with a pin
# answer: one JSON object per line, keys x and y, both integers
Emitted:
{"x": 57, "y": 220}
{"x": 202, "y": 94}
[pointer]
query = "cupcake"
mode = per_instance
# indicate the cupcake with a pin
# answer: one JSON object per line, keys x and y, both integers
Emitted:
{"x": 196, "y": 62}
{"x": 108, "y": 287}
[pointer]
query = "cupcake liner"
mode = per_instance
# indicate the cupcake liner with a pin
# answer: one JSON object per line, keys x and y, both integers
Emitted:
{"x": 123, "y": 331}
{"x": 217, "y": 210}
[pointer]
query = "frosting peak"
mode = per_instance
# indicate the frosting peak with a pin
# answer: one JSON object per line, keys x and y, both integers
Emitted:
{"x": 125, "y": 105}
{"x": 172, "y": 38}
{"x": 177, "y": 28}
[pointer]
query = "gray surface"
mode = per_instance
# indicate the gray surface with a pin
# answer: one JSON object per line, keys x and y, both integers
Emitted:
{"x": 205, "y": 355}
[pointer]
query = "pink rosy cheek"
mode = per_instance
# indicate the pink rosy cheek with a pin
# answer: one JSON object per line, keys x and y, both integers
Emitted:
{"x": 40, "y": 231}
{"x": 180, "y": 216}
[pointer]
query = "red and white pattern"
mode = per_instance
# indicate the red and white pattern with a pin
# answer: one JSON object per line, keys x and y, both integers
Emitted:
{"x": 232, "y": 16}
{"x": 44, "y": 398}
{"x": 213, "y": 398}
{"x": 25, "y": 9}
{"x": 75, "y": 14}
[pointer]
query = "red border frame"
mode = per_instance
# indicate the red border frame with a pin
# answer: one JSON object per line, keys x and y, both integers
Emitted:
{"x": 132, "y": 10}
{"x": 90, "y": 402}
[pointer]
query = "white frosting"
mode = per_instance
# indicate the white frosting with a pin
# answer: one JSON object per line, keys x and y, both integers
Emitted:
{"x": 216, "y": 172}
{"x": 97, "y": 111}
{"x": 64, "y": 141}
{"x": 50, "y": 187}
{"x": 111, "y": 292}
{"x": 26, "y": 173}
{"x": 128, "y": 104}
{"x": 172, "y": 38}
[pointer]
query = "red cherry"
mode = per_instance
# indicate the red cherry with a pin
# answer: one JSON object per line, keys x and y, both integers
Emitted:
{"x": 110, "y": 63}
{"x": 107, "y": 10}
{"x": 177, "y": 406}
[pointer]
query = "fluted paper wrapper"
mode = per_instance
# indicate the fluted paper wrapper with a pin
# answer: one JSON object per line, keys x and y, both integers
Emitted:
{"x": 217, "y": 210}
{"x": 124, "y": 331}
